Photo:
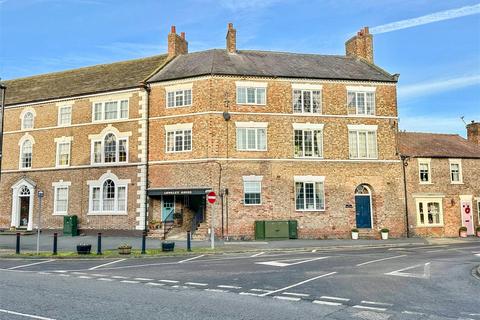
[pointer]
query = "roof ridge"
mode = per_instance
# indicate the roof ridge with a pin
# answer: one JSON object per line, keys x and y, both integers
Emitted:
{"x": 294, "y": 53}
{"x": 56, "y": 73}
{"x": 435, "y": 133}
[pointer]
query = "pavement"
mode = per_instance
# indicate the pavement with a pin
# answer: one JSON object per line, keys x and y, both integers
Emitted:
{"x": 409, "y": 281}
{"x": 68, "y": 243}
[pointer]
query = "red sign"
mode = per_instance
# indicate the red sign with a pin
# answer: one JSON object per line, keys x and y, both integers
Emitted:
{"x": 211, "y": 197}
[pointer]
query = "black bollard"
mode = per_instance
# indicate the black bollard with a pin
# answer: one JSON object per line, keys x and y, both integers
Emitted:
{"x": 144, "y": 242}
{"x": 55, "y": 244}
{"x": 99, "y": 243}
{"x": 189, "y": 241}
{"x": 17, "y": 247}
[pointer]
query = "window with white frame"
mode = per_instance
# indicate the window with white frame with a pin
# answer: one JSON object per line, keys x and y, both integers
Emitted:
{"x": 252, "y": 190}
{"x": 424, "y": 172}
{"x": 63, "y": 152}
{"x": 110, "y": 110}
{"x": 361, "y": 100}
{"x": 110, "y": 148}
{"x": 180, "y": 97}
{"x": 108, "y": 195}
{"x": 308, "y": 140}
{"x": 27, "y": 120}
{"x": 429, "y": 212}
{"x": 26, "y": 148}
{"x": 478, "y": 208}
{"x": 362, "y": 142}
{"x": 456, "y": 171}
{"x": 64, "y": 115}
{"x": 309, "y": 193}
{"x": 178, "y": 137}
{"x": 60, "y": 197}
{"x": 253, "y": 93}
{"x": 307, "y": 98}
{"x": 251, "y": 136}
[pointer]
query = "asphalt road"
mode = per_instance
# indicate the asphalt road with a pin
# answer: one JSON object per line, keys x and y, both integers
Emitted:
{"x": 414, "y": 282}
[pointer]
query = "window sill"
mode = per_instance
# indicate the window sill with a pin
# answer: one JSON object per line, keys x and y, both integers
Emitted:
{"x": 251, "y": 105}
{"x": 26, "y": 169}
{"x": 110, "y": 120}
{"x": 295, "y": 157}
{"x": 252, "y": 150}
{"x": 62, "y": 166}
{"x": 430, "y": 226}
{"x": 425, "y": 183}
{"x": 175, "y": 107}
{"x": 457, "y": 182}
{"x": 60, "y": 214}
{"x": 173, "y": 152}
{"x": 107, "y": 164}
{"x": 252, "y": 204}
{"x": 108, "y": 213}
{"x": 364, "y": 159}
{"x": 310, "y": 211}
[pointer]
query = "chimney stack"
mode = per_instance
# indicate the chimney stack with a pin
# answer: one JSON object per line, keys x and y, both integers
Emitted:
{"x": 177, "y": 45}
{"x": 231, "y": 39}
{"x": 361, "y": 45}
{"x": 473, "y": 132}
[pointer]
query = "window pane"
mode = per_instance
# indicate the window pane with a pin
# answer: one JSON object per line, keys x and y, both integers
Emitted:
{"x": 252, "y": 192}
{"x": 299, "y": 196}
{"x": 121, "y": 198}
{"x": 298, "y": 138}
{"x": 122, "y": 150}
{"x": 188, "y": 97}
{"x": 97, "y": 152}
{"x": 251, "y": 139}
{"x": 110, "y": 147}
{"x": 319, "y": 196}
{"x": 179, "y": 98}
{"x": 170, "y": 141}
{"x": 251, "y": 95}
{"x": 111, "y": 110}
{"x": 372, "y": 145}
{"x": 27, "y": 154}
{"x": 108, "y": 195}
{"x": 455, "y": 170}
{"x": 65, "y": 115}
{"x": 241, "y": 138}
{"x": 187, "y": 140}
{"x": 317, "y": 143}
{"x": 352, "y": 103}
{"x": 124, "y": 109}
{"x": 260, "y": 95}
{"x": 361, "y": 102}
{"x": 28, "y": 120}
{"x": 98, "y": 111}
{"x": 261, "y": 139}
{"x": 178, "y": 140}
{"x": 297, "y": 101}
{"x": 422, "y": 214}
{"x": 171, "y": 99}
{"x": 362, "y": 144}
{"x": 352, "y": 141}
{"x": 96, "y": 199}
{"x": 370, "y": 103}
{"x": 308, "y": 143}
{"x": 61, "y": 199}
{"x": 424, "y": 172}
{"x": 63, "y": 154}
{"x": 316, "y": 102}
{"x": 307, "y": 101}
{"x": 309, "y": 196}
{"x": 241, "y": 95}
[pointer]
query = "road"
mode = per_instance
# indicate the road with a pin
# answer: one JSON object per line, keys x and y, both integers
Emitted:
{"x": 411, "y": 282}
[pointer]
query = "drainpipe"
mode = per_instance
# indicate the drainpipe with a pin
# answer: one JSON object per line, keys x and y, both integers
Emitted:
{"x": 147, "y": 148}
{"x": 404, "y": 166}
{"x": 3, "y": 90}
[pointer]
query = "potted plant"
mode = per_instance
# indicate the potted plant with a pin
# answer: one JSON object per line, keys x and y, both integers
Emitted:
{"x": 168, "y": 245}
{"x": 125, "y": 249}
{"x": 463, "y": 232}
{"x": 354, "y": 234}
{"x": 384, "y": 232}
{"x": 477, "y": 231}
{"x": 84, "y": 248}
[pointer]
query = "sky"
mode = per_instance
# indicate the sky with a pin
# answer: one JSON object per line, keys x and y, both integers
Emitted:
{"x": 433, "y": 45}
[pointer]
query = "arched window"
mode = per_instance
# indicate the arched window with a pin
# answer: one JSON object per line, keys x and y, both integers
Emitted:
{"x": 110, "y": 147}
{"x": 27, "y": 121}
{"x": 362, "y": 190}
{"x": 108, "y": 195}
{"x": 24, "y": 191}
{"x": 26, "y": 154}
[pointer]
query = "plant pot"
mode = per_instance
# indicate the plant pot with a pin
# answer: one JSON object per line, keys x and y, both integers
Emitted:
{"x": 125, "y": 250}
{"x": 354, "y": 235}
{"x": 478, "y": 233}
{"x": 168, "y": 246}
{"x": 384, "y": 235}
{"x": 84, "y": 248}
{"x": 463, "y": 234}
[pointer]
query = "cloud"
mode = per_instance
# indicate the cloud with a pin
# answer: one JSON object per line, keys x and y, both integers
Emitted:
{"x": 429, "y": 18}
{"x": 432, "y": 87}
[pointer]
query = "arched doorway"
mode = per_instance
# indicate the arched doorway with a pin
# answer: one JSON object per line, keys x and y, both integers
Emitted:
{"x": 22, "y": 204}
{"x": 363, "y": 206}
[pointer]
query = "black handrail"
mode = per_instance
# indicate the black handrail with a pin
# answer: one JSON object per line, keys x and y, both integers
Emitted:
{"x": 168, "y": 224}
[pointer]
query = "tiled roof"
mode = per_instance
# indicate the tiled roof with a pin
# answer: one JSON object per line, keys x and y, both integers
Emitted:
{"x": 435, "y": 145}
{"x": 270, "y": 64}
{"x": 94, "y": 79}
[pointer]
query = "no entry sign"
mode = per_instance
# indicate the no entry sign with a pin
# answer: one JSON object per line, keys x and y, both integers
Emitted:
{"x": 211, "y": 197}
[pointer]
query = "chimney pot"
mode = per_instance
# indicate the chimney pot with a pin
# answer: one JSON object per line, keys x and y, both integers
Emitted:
{"x": 230, "y": 25}
{"x": 182, "y": 35}
{"x": 173, "y": 29}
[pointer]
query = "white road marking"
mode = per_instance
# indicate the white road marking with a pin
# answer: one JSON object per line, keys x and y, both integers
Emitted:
{"x": 60, "y": 271}
{"x": 296, "y": 294}
{"x": 286, "y": 298}
{"x": 155, "y": 284}
{"x": 369, "y": 308}
{"x": 106, "y": 264}
{"x": 377, "y": 303}
{"x": 28, "y": 265}
{"x": 98, "y": 275}
{"x": 215, "y": 290}
{"x": 105, "y": 279}
{"x": 400, "y": 273}
{"x": 44, "y": 273}
{"x": 260, "y": 290}
{"x": 169, "y": 281}
{"x": 314, "y": 250}
{"x": 129, "y": 281}
{"x": 190, "y": 259}
{"x": 413, "y": 312}
{"x": 299, "y": 283}
{"x": 229, "y": 287}
{"x": 196, "y": 284}
{"x": 79, "y": 273}
{"x": 64, "y": 275}
{"x": 279, "y": 263}
{"x": 119, "y": 277}
{"x": 378, "y": 260}
{"x": 84, "y": 277}
{"x": 249, "y": 294}
{"x": 25, "y": 315}
{"x": 328, "y": 303}
{"x": 334, "y": 298}
{"x": 257, "y": 254}
{"x": 143, "y": 279}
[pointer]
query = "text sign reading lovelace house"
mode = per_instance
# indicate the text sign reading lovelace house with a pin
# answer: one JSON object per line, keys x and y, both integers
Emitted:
{"x": 211, "y": 197}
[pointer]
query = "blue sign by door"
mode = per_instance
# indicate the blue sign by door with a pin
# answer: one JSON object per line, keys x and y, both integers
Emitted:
{"x": 363, "y": 211}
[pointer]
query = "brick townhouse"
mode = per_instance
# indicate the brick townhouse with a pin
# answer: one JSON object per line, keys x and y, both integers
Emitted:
{"x": 442, "y": 181}
{"x": 278, "y": 136}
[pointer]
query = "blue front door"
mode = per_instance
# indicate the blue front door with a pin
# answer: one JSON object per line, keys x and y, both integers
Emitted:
{"x": 363, "y": 211}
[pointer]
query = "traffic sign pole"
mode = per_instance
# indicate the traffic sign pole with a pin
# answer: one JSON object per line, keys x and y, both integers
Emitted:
{"x": 212, "y": 198}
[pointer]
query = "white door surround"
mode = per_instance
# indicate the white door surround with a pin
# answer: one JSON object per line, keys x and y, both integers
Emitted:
{"x": 23, "y": 188}
{"x": 466, "y": 211}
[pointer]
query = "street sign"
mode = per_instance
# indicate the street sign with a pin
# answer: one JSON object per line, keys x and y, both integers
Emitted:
{"x": 211, "y": 197}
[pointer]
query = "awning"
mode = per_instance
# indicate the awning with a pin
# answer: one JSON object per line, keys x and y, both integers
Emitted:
{"x": 177, "y": 191}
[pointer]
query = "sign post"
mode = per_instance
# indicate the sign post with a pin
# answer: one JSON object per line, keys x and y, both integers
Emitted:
{"x": 212, "y": 198}
{"x": 39, "y": 221}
